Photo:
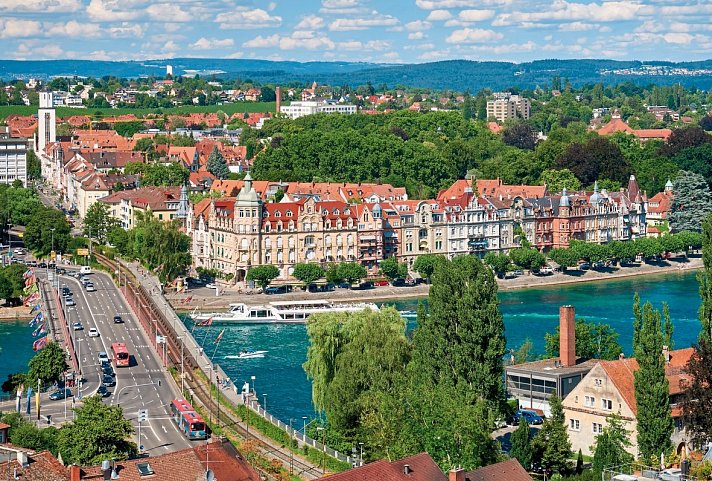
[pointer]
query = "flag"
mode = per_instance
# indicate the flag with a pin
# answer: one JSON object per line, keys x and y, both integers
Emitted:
{"x": 217, "y": 339}
{"x": 43, "y": 328}
{"x": 30, "y": 280}
{"x": 158, "y": 269}
{"x": 30, "y": 289}
{"x": 35, "y": 308}
{"x": 187, "y": 300}
{"x": 36, "y": 319}
{"x": 38, "y": 330}
{"x": 40, "y": 343}
{"x": 35, "y": 296}
{"x": 204, "y": 323}
{"x": 27, "y": 273}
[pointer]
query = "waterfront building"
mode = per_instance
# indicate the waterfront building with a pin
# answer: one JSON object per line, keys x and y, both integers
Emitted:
{"x": 13, "y": 159}
{"x": 659, "y": 207}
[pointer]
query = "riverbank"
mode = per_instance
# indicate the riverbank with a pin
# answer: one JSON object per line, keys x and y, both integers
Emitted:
{"x": 205, "y": 299}
{"x": 19, "y": 313}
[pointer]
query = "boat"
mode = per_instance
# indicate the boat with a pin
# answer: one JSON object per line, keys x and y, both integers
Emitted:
{"x": 282, "y": 312}
{"x": 248, "y": 355}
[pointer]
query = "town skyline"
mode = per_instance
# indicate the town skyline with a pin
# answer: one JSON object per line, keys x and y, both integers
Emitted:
{"x": 402, "y": 31}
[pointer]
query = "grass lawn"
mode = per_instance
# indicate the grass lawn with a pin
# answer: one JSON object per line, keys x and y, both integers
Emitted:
{"x": 229, "y": 109}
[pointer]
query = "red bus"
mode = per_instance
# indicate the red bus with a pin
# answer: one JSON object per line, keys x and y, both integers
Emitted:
{"x": 190, "y": 423}
{"x": 120, "y": 354}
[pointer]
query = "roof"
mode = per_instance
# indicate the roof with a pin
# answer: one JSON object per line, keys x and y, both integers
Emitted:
{"x": 41, "y": 467}
{"x": 615, "y": 125}
{"x": 620, "y": 372}
{"x": 421, "y": 468}
{"x": 552, "y": 366}
{"x": 153, "y": 197}
{"x": 496, "y": 188}
{"x": 509, "y": 470}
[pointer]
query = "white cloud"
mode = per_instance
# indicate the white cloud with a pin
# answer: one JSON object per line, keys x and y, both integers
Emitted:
{"x": 73, "y": 29}
{"x": 476, "y": 15}
{"x": 435, "y": 55}
{"x": 561, "y": 10}
{"x": 16, "y": 28}
{"x": 418, "y": 26}
{"x": 170, "y": 46}
{"x": 246, "y": 18}
{"x": 262, "y": 42}
{"x": 213, "y": 43}
{"x": 434, "y": 4}
{"x": 372, "y": 45}
{"x": 340, "y": 3}
{"x": 439, "y": 15}
{"x": 45, "y": 6}
{"x": 377, "y": 20}
{"x": 110, "y": 11}
{"x": 416, "y": 36}
{"x": 38, "y": 51}
{"x": 172, "y": 27}
{"x": 310, "y": 22}
{"x": 316, "y": 43}
{"x": 473, "y": 35}
{"x": 578, "y": 27}
{"x": 303, "y": 34}
{"x": 162, "y": 11}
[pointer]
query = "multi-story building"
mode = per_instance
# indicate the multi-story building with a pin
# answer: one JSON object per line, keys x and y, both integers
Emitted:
{"x": 162, "y": 203}
{"x": 13, "y": 159}
{"x": 506, "y": 106}
{"x": 659, "y": 207}
{"x": 310, "y": 107}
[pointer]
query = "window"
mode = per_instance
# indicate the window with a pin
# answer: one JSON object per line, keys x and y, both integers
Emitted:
{"x": 597, "y": 428}
{"x": 574, "y": 425}
{"x": 589, "y": 401}
{"x": 607, "y": 404}
{"x": 599, "y": 382}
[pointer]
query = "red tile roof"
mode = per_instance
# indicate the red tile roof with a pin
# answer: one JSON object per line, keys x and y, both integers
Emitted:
{"x": 41, "y": 467}
{"x": 509, "y": 470}
{"x": 421, "y": 467}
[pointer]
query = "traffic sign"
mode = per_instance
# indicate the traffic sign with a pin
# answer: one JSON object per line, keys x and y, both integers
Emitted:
{"x": 82, "y": 252}
{"x": 140, "y": 448}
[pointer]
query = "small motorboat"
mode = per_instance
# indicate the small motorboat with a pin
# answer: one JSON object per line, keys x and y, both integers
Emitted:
{"x": 248, "y": 355}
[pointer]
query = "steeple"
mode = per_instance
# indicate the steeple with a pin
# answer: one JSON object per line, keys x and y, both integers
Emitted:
{"x": 182, "y": 211}
{"x": 668, "y": 186}
{"x": 565, "y": 201}
{"x": 596, "y": 197}
{"x": 248, "y": 196}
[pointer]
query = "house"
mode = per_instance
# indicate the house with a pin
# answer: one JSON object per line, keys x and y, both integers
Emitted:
{"x": 659, "y": 207}
{"x": 420, "y": 467}
{"x": 533, "y": 383}
{"x": 162, "y": 202}
{"x": 609, "y": 388}
{"x": 618, "y": 125}
{"x": 509, "y": 470}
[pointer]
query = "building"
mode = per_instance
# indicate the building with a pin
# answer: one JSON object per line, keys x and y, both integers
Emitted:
{"x": 13, "y": 158}
{"x": 506, "y": 106}
{"x": 533, "y": 383}
{"x": 608, "y": 388}
{"x": 162, "y": 203}
{"x": 617, "y": 124}
{"x": 509, "y": 470}
{"x": 310, "y": 107}
{"x": 659, "y": 207}
{"x": 420, "y": 467}
{"x": 47, "y": 121}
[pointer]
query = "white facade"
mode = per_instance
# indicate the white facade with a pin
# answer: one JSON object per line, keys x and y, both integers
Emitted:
{"x": 300, "y": 109}
{"x": 13, "y": 160}
{"x": 508, "y": 107}
{"x": 47, "y": 118}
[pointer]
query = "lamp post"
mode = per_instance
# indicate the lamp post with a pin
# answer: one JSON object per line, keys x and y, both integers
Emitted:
{"x": 360, "y": 459}
{"x": 291, "y": 448}
{"x": 264, "y": 404}
{"x": 304, "y": 428}
{"x": 210, "y": 392}
{"x": 323, "y": 449}
{"x": 253, "y": 385}
{"x": 182, "y": 372}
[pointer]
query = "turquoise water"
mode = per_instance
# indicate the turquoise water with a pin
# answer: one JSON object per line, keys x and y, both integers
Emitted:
{"x": 15, "y": 348}
{"x": 527, "y": 313}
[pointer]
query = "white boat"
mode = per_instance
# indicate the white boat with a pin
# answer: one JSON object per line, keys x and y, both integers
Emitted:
{"x": 248, "y": 355}
{"x": 283, "y": 312}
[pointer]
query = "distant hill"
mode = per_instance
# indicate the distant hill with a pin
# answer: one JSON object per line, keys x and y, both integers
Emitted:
{"x": 452, "y": 74}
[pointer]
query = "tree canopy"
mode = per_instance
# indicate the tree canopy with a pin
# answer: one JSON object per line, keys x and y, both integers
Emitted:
{"x": 691, "y": 204}
{"x": 48, "y": 365}
{"x": 263, "y": 275}
{"x": 593, "y": 341}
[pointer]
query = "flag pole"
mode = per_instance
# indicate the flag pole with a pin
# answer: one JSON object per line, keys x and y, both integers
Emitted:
{"x": 217, "y": 344}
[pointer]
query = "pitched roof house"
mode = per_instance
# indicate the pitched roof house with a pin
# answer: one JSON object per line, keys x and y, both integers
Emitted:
{"x": 420, "y": 467}
{"x": 509, "y": 470}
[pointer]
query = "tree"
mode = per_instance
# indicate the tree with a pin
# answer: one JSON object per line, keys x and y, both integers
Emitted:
{"x": 564, "y": 257}
{"x": 98, "y": 432}
{"x": 520, "y": 135}
{"x": 216, "y": 164}
{"x": 552, "y": 446}
{"x": 11, "y": 281}
{"x": 652, "y": 395}
{"x": 98, "y": 222}
{"x": 332, "y": 274}
{"x": 467, "y": 106}
{"x": 593, "y": 341}
{"x": 704, "y": 279}
{"x": 307, "y": 273}
{"x": 696, "y": 395}
{"x": 13, "y": 381}
{"x": 34, "y": 167}
{"x": 172, "y": 174}
{"x": 684, "y": 138}
{"x": 351, "y": 272}
{"x": 48, "y": 365}
{"x": 521, "y": 445}
{"x": 128, "y": 129}
{"x": 425, "y": 264}
{"x": 691, "y": 204}
{"x": 461, "y": 340}
{"x": 263, "y": 275}
{"x": 530, "y": 259}
{"x": 267, "y": 94}
{"x": 610, "y": 446}
{"x": 706, "y": 123}
{"x": 599, "y": 158}
{"x": 47, "y": 227}
{"x": 392, "y": 269}
{"x": 498, "y": 262}
{"x": 557, "y": 180}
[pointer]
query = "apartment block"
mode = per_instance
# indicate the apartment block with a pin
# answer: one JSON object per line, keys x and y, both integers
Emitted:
{"x": 13, "y": 159}
{"x": 506, "y": 106}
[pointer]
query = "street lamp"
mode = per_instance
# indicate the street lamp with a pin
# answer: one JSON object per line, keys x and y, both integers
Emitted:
{"x": 323, "y": 449}
{"x": 264, "y": 404}
{"x": 304, "y": 428}
{"x": 360, "y": 459}
{"x": 182, "y": 373}
{"x": 253, "y": 385}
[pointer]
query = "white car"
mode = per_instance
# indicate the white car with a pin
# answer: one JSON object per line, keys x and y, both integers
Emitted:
{"x": 90, "y": 287}
{"x": 78, "y": 326}
{"x": 93, "y": 332}
{"x": 210, "y": 285}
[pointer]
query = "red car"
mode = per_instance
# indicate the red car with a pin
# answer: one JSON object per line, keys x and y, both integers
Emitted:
{"x": 381, "y": 283}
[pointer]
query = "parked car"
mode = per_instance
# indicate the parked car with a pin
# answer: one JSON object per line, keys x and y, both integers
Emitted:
{"x": 598, "y": 265}
{"x": 211, "y": 285}
{"x": 584, "y": 266}
{"x": 42, "y": 265}
{"x": 546, "y": 271}
{"x": 103, "y": 357}
{"x": 118, "y": 319}
{"x": 344, "y": 285}
{"x": 518, "y": 272}
{"x": 381, "y": 283}
{"x": 398, "y": 283}
{"x": 78, "y": 326}
{"x": 61, "y": 394}
{"x": 323, "y": 288}
{"x": 70, "y": 301}
{"x": 277, "y": 290}
{"x": 93, "y": 332}
{"x": 363, "y": 286}
{"x": 103, "y": 391}
{"x": 530, "y": 416}
{"x": 108, "y": 380}
{"x": 671, "y": 474}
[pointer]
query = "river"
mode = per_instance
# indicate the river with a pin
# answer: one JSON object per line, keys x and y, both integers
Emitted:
{"x": 528, "y": 313}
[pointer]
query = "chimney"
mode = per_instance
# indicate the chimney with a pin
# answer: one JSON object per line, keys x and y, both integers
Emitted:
{"x": 75, "y": 473}
{"x": 406, "y": 469}
{"x": 456, "y": 474}
{"x": 666, "y": 354}
{"x": 567, "y": 336}
{"x": 278, "y": 93}
{"x": 621, "y": 356}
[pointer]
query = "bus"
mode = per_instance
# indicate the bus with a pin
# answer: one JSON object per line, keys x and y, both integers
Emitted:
{"x": 190, "y": 423}
{"x": 120, "y": 354}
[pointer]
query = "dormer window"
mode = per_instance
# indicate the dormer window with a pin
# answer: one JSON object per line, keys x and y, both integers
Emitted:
{"x": 289, "y": 213}
{"x": 278, "y": 214}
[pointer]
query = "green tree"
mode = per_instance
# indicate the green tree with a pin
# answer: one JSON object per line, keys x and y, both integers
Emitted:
{"x": 13, "y": 381}
{"x": 530, "y": 259}
{"x": 704, "y": 279}
{"x": 34, "y": 167}
{"x": 425, "y": 264}
{"x": 351, "y": 272}
{"x": 98, "y": 432}
{"x": 521, "y": 445}
{"x": 216, "y": 164}
{"x": 172, "y": 174}
{"x": 392, "y": 269}
{"x": 11, "y": 282}
{"x": 557, "y": 180}
{"x": 308, "y": 273}
{"x": 332, "y": 274}
{"x": 525, "y": 352}
{"x": 691, "y": 204}
{"x": 552, "y": 446}
{"x": 564, "y": 257}
{"x": 160, "y": 246}
{"x": 593, "y": 341}
{"x": 128, "y": 129}
{"x": 46, "y": 227}
{"x": 467, "y": 106}
{"x": 498, "y": 262}
{"x": 520, "y": 135}
{"x": 48, "y": 365}
{"x": 610, "y": 448}
{"x": 263, "y": 275}
{"x": 267, "y": 94}
{"x": 98, "y": 222}
{"x": 697, "y": 396}
{"x": 652, "y": 394}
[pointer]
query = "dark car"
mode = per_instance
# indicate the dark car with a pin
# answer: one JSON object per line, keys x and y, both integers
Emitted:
{"x": 108, "y": 380}
{"x": 107, "y": 370}
{"x": 277, "y": 290}
{"x": 61, "y": 394}
{"x": 118, "y": 320}
{"x": 584, "y": 266}
{"x": 344, "y": 285}
{"x": 103, "y": 391}
{"x": 363, "y": 286}
{"x": 530, "y": 416}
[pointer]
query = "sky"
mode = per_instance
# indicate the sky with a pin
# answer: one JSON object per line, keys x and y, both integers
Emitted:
{"x": 383, "y": 31}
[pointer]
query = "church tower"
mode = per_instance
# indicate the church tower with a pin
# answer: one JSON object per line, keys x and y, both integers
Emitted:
{"x": 47, "y": 116}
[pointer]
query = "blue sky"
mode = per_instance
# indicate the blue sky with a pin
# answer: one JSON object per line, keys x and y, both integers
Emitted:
{"x": 407, "y": 31}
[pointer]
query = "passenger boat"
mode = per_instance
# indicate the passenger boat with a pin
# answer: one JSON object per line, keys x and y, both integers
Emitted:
{"x": 283, "y": 312}
{"x": 248, "y": 355}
